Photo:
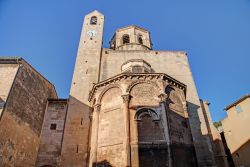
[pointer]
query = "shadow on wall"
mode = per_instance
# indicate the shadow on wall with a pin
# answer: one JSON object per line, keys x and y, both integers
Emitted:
{"x": 202, "y": 141}
{"x": 214, "y": 147}
{"x": 103, "y": 163}
{"x": 241, "y": 155}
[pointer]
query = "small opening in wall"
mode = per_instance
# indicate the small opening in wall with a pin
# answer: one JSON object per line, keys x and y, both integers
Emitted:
{"x": 53, "y": 127}
{"x": 91, "y": 38}
{"x": 77, "y": 148}
{"x": 93, "y": 20}
{"x": 81, "y": 121}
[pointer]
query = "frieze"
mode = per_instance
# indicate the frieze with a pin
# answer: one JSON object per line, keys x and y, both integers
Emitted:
{"x": 146, "y": 77}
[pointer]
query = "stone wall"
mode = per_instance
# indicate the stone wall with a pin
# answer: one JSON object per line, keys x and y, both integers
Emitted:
{"x": 213, "y": 133}
{"x": 111, "y": 129}
{"x": 175, "y": 64}
{"x": 7, "y": 73}
{"x": 22, "y": 118}
{"x": 52, "y": 133}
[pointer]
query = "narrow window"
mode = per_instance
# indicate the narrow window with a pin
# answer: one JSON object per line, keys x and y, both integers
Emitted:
{"x": 93, "y": 20}
{"x": 140, "y": 39}
{"x": 81, "y": 121}
{"x": 238, "y": 109}
{"x": 53, "y": 127}
{"x": 125, "y": 39}
{"x": 77, "y": 149}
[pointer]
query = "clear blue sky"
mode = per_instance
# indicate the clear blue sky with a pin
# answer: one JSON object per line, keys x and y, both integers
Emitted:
{"x": 215, "y": 33}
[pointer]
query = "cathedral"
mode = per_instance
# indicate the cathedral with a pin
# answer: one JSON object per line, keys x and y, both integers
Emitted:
{"x": 129, "y": 106}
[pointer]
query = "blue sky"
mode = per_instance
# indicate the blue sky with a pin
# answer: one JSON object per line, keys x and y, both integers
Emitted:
{"x": 215, "y": 33}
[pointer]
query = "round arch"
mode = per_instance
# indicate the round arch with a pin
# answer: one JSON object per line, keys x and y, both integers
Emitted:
{"x": 129, "y": 88}
{"x": 146, "y": 111}
{"x": 106, "y": 89}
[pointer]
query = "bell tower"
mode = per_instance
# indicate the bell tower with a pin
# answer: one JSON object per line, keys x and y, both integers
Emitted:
{"x": 87, "y": 63}
{"x": 86, "y": 72}
{"x": 131, "y": 38}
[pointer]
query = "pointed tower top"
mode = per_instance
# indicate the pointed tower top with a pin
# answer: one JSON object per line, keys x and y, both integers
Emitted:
{"x": 95, "y": 12}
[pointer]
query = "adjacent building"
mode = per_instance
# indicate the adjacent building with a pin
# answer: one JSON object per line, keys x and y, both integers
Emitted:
{"x": 236, "y": 130}
{"x": 23, "y": 98}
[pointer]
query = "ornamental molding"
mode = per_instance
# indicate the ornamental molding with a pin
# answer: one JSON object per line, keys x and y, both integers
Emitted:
{"x": 129, "y": 88}
{"x": 106, "y": 89}
{"x": 146, "y": 111}
{"x": 138, "y": 78}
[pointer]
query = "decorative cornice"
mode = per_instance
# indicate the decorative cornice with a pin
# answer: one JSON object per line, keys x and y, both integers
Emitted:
{"x": 137, "y": 76}
{"x": 141, "y": 81}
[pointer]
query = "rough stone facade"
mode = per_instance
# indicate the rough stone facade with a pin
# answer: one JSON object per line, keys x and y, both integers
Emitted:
{"x": 25, "y": 98}
{"x": 141, "y": 119}
{"x": 129, "y": 105}
{"x": 52, "y": 133}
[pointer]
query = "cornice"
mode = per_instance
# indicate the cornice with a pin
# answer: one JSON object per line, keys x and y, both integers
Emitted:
{"x": 138, "y": 76}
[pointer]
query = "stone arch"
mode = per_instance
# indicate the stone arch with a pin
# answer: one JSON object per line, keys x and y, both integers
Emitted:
{"x": 129, "y": 88}
{"x": 125, "y": 39}
{"x": 144, "y": 93}
{"x": 93, "y": 20}
{"x": 171, "y": 88}
{"x": 146, "y": 111}
{"x": 175, "y": 100}
{"x": 140, "y": 39}
{"x": 150, "y": 128}
{"x": 106, "y": 89}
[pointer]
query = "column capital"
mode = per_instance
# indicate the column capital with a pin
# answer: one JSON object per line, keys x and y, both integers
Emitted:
{"x": 163, "y": 96}
{"x": 91, "y": 116}
{"x": 97, "y": 107}
{"x": 126, "y": 98}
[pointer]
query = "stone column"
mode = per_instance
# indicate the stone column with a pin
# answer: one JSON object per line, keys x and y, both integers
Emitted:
{"x": 135, "y": 146}
{"x": 94, "y": 138}
{"x": 126, "y": 98}
{"x": 166, "y": 128}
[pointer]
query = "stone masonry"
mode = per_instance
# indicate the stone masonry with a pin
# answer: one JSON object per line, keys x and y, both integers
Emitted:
{"x": 25, "y": 96}
{"x": 129, "y": 106}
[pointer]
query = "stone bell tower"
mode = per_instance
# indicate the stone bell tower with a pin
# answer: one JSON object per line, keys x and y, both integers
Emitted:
{"x": 86, "y": 73}
{"x": 88, "y": 59}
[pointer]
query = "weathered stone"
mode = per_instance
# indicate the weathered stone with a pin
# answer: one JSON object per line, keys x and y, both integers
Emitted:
{"x": 25, "y": 95}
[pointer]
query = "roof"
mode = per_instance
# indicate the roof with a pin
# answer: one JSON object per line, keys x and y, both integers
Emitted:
{"x": 10, "y": 60}
{"x": 20, "y": 60}
{"x": 237, "y": 102}
{"x": 132, "y": 26}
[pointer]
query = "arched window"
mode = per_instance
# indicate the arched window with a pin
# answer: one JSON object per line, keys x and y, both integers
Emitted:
{"x": 93, "y": 20}
{"x": 149, "y": 126}
{"x": 125, "y": 39}
{"x": 140, "y": 39}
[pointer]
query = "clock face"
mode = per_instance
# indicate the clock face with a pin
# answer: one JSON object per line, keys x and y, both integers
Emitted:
{"x": 92, "y": 33}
